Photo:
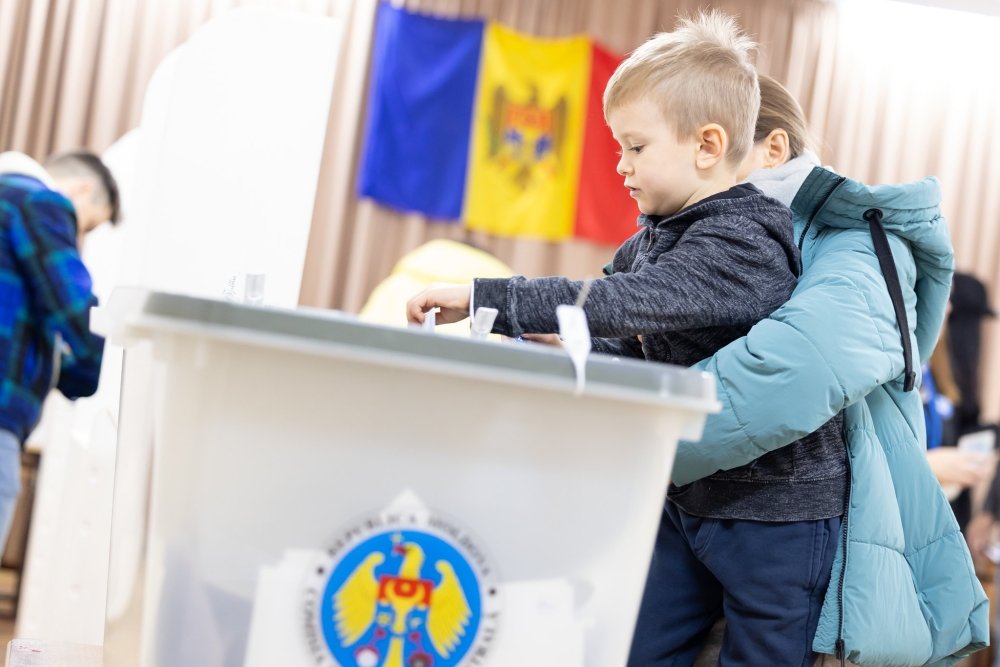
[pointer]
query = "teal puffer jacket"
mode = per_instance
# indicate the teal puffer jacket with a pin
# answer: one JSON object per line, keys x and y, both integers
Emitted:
{"x": 903, "y": 590}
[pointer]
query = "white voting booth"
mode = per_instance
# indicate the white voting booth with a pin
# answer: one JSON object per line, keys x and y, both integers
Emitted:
{"x": 330, "y": 492}
{"x": 64, "y": 598}
{"x": 221, "y": 182}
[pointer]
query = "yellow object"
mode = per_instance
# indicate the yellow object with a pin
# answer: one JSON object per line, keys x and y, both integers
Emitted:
{"x": 448, "y": 618}
{"x": 527, "y": 138}
{"x": 438, "y": 261}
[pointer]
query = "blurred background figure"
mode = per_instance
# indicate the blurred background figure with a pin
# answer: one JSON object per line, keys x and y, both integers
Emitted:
{"x": 958, "y": 469}
{"x": 969, "y": 307}
{"x": 78, "y": 175}
{"x": 45, "y": 340}
{"x": 963, "y": 339}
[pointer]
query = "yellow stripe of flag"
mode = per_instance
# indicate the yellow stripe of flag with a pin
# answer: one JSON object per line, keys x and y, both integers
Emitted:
{"x": 527, "y": 135}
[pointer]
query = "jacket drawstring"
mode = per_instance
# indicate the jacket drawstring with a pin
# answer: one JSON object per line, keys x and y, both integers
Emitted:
{"x": 873, "y": 217}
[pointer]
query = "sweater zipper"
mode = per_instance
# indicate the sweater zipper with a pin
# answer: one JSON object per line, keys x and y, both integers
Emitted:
{"x": 841, "y": 651}
{"x": 649, "y": 247}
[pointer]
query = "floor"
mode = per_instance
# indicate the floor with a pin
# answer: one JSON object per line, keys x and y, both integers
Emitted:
{"x": 6, "y": 631}
{"x": 122, "y": 648}
{"x": 7, "y": 582}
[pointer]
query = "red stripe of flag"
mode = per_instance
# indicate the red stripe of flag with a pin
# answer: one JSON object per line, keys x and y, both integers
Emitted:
{"x": 604, "y": 211}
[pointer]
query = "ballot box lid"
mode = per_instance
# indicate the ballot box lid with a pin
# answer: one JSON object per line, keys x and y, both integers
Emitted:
{"x": 134, "y": 313}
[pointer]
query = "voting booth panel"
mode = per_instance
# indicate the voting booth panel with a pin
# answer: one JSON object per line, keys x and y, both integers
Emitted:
{"x": 332, "y": 492}
{"x": 219, "y": 181}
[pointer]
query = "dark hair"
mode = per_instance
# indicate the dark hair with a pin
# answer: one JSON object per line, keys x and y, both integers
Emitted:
{"x": 85, "y": 163}
{"x": 778, "y": 109}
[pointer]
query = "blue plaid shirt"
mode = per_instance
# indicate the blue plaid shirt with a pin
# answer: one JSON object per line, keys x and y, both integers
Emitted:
{"x": 45, "y": 293}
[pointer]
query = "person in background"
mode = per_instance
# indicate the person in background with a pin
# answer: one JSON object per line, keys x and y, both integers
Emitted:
{"x": 45, "y": 292}
{"x": 956, "y": 469}
{"x": 940, "y": 395}
{"x": 970, "y": 306}
{"x": 81, "y": 177}
{"x": 904, "y": 591}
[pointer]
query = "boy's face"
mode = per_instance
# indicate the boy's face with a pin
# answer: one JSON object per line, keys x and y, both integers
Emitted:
{"x": 660, "y": 171}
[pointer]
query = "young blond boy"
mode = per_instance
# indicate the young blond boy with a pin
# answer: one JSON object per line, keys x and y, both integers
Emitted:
{"x": 710, "y": 259}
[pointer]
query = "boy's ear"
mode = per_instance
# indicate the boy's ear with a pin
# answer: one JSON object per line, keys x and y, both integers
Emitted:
{"x": 713, "y": 142}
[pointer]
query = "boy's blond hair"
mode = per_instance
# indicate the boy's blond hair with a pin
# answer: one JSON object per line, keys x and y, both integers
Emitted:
{"x": 698, "y": 74}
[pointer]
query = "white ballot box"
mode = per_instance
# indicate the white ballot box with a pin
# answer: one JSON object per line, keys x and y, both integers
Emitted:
{"x": 330, "y": 492}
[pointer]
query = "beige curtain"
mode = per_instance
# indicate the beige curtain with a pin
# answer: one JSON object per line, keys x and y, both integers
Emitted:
{"x": 73, "y": 72}
{"x": 893, "y": 92}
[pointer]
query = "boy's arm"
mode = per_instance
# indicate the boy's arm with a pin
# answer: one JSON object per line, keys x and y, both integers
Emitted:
{"x": 59, "y": 286}
{"x": 721, "y": 273}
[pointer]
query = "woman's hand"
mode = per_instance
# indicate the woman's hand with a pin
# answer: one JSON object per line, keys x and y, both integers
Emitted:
{"x": 951, "y": 465}
{"x": 545, "y": 339}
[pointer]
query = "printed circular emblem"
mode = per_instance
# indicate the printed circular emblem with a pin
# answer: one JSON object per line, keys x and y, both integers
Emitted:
{"x": 397, "y": 594}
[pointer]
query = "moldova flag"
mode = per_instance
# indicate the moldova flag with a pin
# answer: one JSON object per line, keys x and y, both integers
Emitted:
{"x": 474, "y": 123}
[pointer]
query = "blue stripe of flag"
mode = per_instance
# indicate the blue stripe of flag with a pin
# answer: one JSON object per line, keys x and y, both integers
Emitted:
{"x": 423, "y": 86}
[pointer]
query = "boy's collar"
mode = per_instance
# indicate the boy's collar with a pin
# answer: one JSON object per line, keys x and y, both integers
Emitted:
{"x": 736, "y": 192}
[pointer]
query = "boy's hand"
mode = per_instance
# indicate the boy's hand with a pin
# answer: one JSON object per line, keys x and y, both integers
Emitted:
{"x": 453, "y": 300}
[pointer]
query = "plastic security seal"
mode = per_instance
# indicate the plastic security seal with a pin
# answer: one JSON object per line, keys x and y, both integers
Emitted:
{"x": 482, "y": 322}
{"x": 430, "y": 320}
{"x": 575, "y": 334}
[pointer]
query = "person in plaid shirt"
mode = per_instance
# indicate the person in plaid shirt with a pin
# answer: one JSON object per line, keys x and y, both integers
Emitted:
{"x": 45, "y": 295}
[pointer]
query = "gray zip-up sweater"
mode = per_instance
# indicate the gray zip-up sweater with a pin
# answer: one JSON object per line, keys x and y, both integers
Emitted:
{"x": 689, "y": 284}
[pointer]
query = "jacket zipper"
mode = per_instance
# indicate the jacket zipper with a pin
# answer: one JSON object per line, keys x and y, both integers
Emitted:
{"x": 815, "y": 212}
{"x": 841, "y": 651}
{"x": 802, "y": 237}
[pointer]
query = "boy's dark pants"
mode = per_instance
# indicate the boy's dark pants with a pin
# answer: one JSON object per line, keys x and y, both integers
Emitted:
{"x": 768, "y": 579}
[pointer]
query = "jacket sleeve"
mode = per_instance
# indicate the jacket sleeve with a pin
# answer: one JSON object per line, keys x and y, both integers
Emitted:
{"x": 830, "y": 345}
{"x": 723, "y": 273}
{"x": 59, "y": 288}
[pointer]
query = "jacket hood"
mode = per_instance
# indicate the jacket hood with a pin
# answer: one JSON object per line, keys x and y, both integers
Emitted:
{"x": 910, "y": 211}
